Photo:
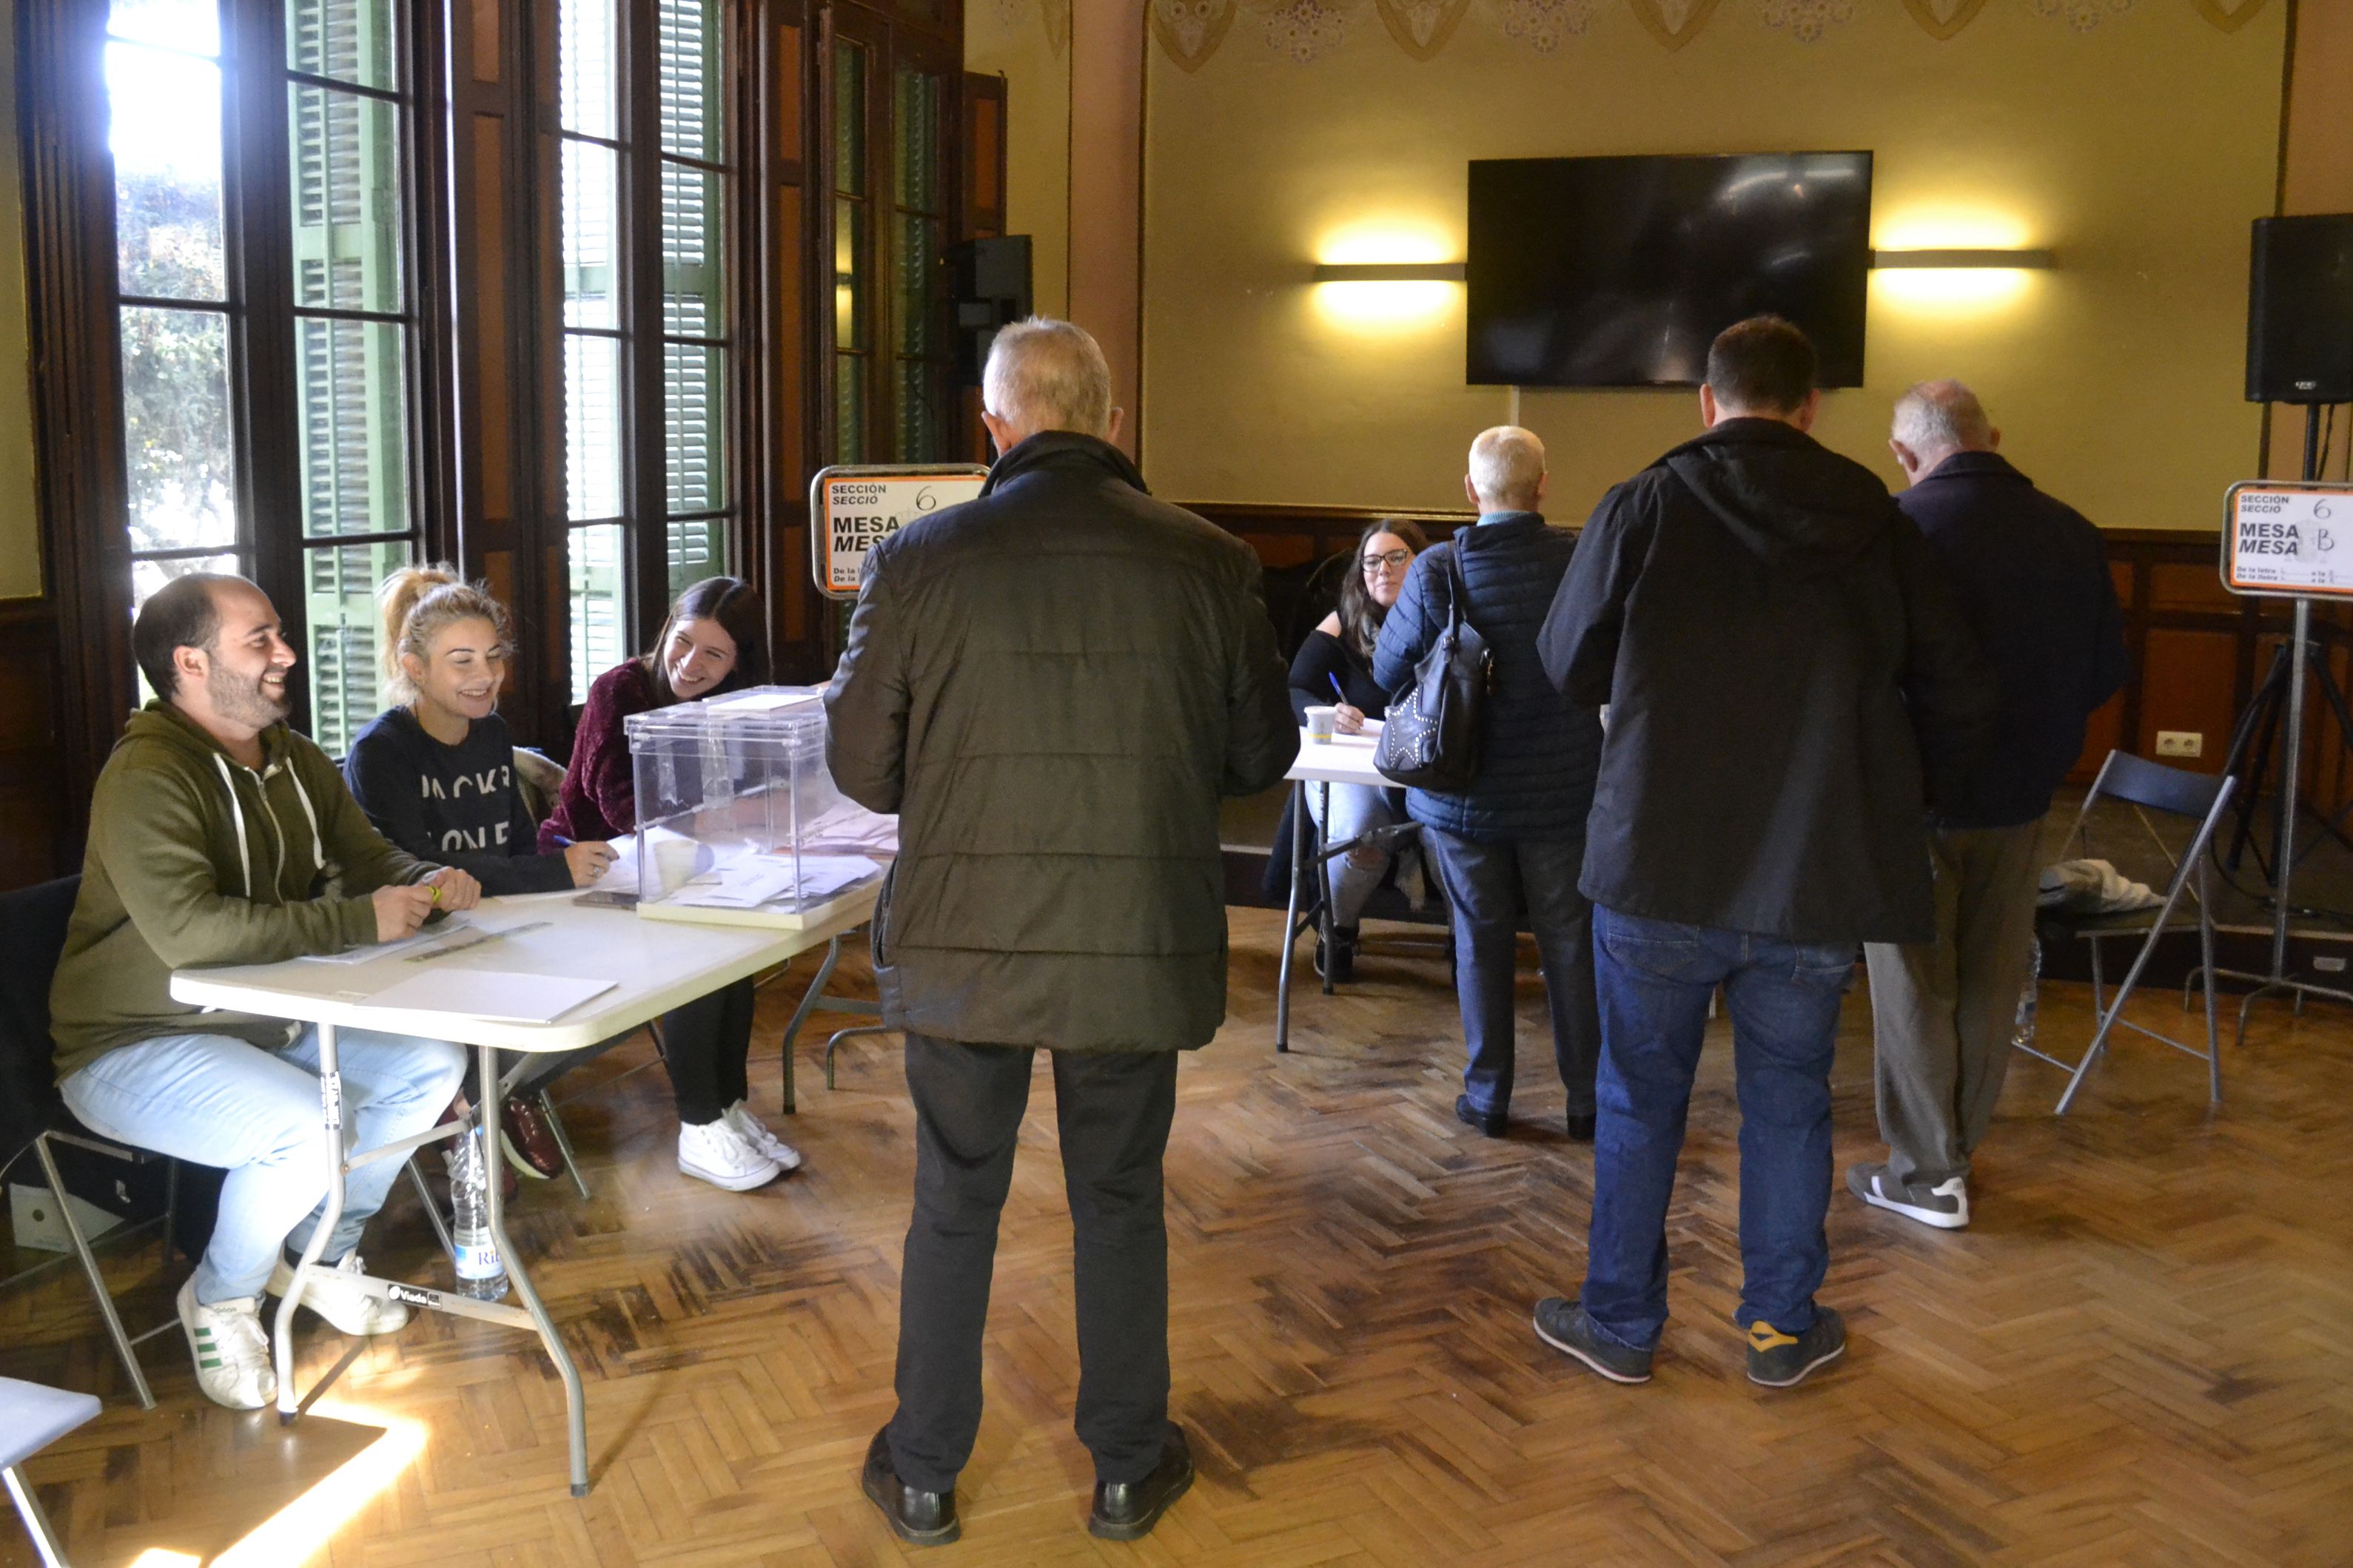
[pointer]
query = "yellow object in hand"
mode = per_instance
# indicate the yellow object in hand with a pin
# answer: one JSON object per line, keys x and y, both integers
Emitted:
{"x": 436, "y": 891}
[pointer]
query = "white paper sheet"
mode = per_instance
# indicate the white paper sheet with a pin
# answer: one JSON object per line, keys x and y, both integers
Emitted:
{"x": 500, "y": 994}
{"x": 748, "y": 884}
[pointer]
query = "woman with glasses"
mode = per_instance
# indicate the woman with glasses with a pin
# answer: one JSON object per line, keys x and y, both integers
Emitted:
{"x": 1335, "y": 665}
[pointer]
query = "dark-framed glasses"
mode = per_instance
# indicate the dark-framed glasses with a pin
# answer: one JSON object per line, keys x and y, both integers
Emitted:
{"x": 1387, "y": 561}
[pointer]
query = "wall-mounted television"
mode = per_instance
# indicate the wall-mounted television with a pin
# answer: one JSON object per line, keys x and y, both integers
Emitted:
{"x": 1620, "y": 271}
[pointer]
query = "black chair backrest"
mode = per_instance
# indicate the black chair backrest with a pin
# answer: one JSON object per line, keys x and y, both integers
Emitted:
{"x": 32, "y": 935}
{"x": 2153, "y": 784}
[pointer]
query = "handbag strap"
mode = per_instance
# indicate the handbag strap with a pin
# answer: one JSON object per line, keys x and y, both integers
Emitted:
{"x": 1458, "y": 590}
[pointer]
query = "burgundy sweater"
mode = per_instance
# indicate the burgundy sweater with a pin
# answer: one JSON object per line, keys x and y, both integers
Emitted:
{"x": 599, "y": 799}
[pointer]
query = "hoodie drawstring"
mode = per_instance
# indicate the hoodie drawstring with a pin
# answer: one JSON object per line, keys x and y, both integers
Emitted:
{"x": 237, "y": 813}
{"x": 318, "y": 849}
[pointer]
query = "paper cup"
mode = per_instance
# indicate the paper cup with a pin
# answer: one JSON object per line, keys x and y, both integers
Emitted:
{"x": 1319, "y": 722}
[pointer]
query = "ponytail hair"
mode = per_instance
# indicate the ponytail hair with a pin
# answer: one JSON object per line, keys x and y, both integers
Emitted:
{"x": 417, "y": 601}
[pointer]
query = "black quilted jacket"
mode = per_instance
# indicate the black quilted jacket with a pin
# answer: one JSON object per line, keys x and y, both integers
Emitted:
{"x": 1052, "y": 685}
{"x": 1539, "y": 750}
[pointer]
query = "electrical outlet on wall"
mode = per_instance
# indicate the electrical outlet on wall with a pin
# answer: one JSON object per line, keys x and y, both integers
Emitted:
{"x": 2180, "y": 743}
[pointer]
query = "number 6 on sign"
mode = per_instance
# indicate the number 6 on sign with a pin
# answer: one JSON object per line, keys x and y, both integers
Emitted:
{"x": 2288, "y": 540}
{"x": 852, "y": 508}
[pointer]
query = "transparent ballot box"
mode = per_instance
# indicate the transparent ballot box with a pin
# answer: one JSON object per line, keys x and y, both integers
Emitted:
{"x": 738, "y": 820}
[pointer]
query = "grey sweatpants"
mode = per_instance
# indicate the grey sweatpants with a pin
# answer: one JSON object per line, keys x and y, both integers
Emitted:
{"x": 1943, "y": 1014}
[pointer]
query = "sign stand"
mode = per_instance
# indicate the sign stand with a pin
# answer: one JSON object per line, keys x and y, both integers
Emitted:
{"x": 2292, "y": 542}
{"x": 855, "y": 507}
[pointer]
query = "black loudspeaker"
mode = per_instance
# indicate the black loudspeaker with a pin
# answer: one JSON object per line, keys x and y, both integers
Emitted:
{"x": 988, "y": 286}
{"x": 2300, "y": 310}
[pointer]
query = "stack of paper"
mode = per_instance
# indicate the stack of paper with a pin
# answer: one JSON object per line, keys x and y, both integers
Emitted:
{"x": 748, "y": 884}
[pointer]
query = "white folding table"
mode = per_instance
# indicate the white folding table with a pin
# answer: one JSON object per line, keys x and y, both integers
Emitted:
{"x": 1343, "y": 759}
{"x": 655, "y": 965}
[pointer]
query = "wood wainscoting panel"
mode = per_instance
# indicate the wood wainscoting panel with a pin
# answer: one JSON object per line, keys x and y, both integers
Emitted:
{"x": 2188, "y": 680}
{"x": 40, "y": 827}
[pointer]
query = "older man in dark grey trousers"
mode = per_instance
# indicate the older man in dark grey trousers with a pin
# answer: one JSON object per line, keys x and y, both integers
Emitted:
{"x": 1052, "y": 685}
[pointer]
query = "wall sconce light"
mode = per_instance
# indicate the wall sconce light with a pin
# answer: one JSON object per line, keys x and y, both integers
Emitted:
{"x": 2034, "y": 260}
{"x": 1389, "y": 272}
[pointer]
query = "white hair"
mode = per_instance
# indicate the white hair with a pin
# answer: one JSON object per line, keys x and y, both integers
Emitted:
{"x": 1508, "y": 464}
{"x": 1938, "y": 417}
{"x": 1045, "y": 375}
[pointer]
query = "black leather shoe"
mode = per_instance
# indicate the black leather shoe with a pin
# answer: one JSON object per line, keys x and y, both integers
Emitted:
{"x": 1490, "y": 1122}
{"x": 1580, "y": 1127}
{"x": 925, "y": 1519}
{"x": 1126, "y": 1511}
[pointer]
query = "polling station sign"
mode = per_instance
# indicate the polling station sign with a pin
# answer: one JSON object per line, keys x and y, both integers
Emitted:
{"x": 2287, "y": 539}
{"x": 854, "y": 508}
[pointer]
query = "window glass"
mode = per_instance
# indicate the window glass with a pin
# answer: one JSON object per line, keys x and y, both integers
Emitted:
{"x": 590, "y": 221}
{"x": 345, "y": 198}
{"x": 164, "y": 128}
{"x": 350, "y": 40}
{"x": 349, "y": 384}
{"x": 688, "y": 67}
{"x": 339, "y": 592}
{"x": 597, "y": 603}
{"x": 592, "y": 427}
{"x": 179, "y": 455}
{"x": 191, "y": 27}
{"x": 585, "y": 56}
{"x": 693, "y": 410}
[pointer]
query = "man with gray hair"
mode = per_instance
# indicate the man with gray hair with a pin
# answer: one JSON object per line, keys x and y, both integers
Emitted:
{"x": 1051, "y": 685}
{"x": 1511, "y": 841}
{"x": 2031, "y": 577}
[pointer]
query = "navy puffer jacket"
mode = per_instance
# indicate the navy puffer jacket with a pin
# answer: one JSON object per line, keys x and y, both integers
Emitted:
{"x": 1541, "y": 751}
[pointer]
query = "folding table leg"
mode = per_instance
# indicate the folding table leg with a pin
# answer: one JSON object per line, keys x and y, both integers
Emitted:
{"x": 801, "y": 1012}
{"x": 331, "y": 1100}
{"x": 37, "y": 1523}
{"x": 574, "y": 1403}
{"x": 1290, "y": 923}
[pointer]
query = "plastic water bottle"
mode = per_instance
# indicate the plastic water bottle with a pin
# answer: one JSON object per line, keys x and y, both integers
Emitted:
{"x": 481, "y": 1272}
{"x": 2023, "y": 1033}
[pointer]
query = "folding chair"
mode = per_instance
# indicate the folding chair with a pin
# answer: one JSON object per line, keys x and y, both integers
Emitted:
{"x": 2147, "y": 787}
{"x": 32, "y": 1416}
{"x": 33, "y": 934}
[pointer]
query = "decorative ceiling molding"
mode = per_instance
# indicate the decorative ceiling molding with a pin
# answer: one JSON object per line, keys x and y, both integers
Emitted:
{"x": 1674, "y": 23}
{"x": 1190, "y": 30}
{"x": 1807, "y": 20}
{"x": 1941, "y": 19}
{"x": 2229, "y": 15}
{"x": 2080, "y": 14}
{"x": 1421, "y": 27}
{"x": 1543, "y": 23}
{"x": 1306, "y": 30}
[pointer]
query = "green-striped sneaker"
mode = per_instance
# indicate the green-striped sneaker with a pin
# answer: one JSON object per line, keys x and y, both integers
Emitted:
{"x": 232, "y": 1353}
{"x": 1781, "y": 1360}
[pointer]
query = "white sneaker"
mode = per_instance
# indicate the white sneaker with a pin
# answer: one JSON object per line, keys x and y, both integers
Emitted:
{"x": 716, "y": 1152}
{"x": 335, "y": 1294}
{"x": 232, "y": 1353}
{"x": 1944, "y": 1205}
{"x": 755, "y": 1133}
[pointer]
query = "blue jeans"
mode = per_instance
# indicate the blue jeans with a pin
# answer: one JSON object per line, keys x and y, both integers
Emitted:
{"x": 1655, "y": 978}
{"x": 1354, "y": 809}
{"x": 216, "y": 1100}
{"x": 1490, "y": 884}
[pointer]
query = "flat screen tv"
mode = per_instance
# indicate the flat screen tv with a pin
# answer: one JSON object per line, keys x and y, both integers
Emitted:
{"x": 1620, "y": 271}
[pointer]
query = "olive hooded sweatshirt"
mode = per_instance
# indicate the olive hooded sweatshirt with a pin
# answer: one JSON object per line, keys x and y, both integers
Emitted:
{"x": 194, "y": 858}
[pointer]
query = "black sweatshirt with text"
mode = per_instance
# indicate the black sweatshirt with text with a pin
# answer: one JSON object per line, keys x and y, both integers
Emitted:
{"x": 455, "y": 805}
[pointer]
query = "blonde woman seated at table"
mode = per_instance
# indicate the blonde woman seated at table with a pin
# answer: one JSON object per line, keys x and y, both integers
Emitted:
{"x": 435, "y": 773}
{"x": 712, "y": 644}
{"x": 1335, "y": 665}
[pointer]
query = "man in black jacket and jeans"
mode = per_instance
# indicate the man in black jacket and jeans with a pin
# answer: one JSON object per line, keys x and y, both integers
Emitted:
{"x": 1784, "y": 679}
{"x": 1052, "y": 685}
{"x": 2032, "y": 578}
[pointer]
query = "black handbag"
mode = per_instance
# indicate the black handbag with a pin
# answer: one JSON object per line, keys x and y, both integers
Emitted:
{"x": 1429, "y": 738}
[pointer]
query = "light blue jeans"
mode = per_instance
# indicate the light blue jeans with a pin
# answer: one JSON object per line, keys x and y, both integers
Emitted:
{"x": 1354, "y": 809}
{"x": 216, "y": 1100}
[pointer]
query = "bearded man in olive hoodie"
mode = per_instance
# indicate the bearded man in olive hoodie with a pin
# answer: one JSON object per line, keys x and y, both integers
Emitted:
{"x": 219, "y": 836}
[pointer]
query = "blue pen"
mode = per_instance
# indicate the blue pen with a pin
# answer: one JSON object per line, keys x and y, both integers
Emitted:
{"x": 1336, "y": 692}
{"x": 560, "y": 841}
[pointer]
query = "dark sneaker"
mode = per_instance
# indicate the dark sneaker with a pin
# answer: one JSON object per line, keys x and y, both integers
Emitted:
{"x": 1580, "y": 1126}
{"x": 1490, "y": 1122}
{"x": 1561, "y": 1323}
{"x": 925, "y": 1519}
{"x": 1126, "y": 1511}
{"x": 1944, "y": 1205}
{"x": 1337, "y": 962}
{"x": 1783, "y": 1361}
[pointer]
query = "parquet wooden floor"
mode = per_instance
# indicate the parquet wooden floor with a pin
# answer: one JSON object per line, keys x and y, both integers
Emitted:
{"x": 2141, "y": 1354}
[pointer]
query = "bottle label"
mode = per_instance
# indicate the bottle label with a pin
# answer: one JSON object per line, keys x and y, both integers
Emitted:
{"x": 478, "y": 1259}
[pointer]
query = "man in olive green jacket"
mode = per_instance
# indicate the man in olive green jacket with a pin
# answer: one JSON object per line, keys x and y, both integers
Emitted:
{"x": 219, "y": 836}
{"x": 1052, "y": 685}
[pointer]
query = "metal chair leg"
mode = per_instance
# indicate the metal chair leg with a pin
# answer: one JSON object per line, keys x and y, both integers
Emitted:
{"x": 90, "y": 1269}
{"x": 432, "y": 1209}
{"x": 834, "y": 1044}
{"x": 37, "y": 1523}
{"x": 563, "y": 1141}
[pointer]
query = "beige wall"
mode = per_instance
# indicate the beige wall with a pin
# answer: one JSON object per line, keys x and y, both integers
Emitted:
{"x": 20, "y": 526}
{"x": 2139, "y": 150}
{"x": 1028, "y": 43}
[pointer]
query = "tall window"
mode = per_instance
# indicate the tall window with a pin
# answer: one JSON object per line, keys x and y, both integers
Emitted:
{"x": 213, "y": 258}
{"x": 644, "y": 187}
